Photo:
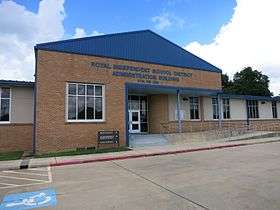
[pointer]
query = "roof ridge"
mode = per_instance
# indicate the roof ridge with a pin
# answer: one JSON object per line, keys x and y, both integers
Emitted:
{"x": 181, "y": 48}
{"x": 92, "y": 37}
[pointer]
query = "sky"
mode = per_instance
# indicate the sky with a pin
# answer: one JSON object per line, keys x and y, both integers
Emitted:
{"x": 230, "y": 34}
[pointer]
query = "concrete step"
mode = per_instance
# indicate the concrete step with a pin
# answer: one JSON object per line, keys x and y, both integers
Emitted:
{"x": 143, "y": 140}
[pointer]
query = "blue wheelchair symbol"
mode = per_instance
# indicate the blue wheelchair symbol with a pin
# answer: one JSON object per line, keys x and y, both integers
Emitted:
{"x": 29, "y": 200}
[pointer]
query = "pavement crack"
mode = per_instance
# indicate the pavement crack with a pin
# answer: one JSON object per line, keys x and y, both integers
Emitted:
{"x": 161, "y": 186}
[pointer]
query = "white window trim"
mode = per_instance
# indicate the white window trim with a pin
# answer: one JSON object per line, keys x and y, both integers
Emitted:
{"x": 258, "y": 106}
{"x": 85, "y": 121}
{"x": 199, "y": 114}
{"x": 213, "y": 108}
{"x": 10, "y": 108}
{"x": 276, "y": 109}
{"x": 224, "y": 109}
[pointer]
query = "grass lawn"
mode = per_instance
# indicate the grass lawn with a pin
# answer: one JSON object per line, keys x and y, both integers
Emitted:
{"x": 82, "y": 152}
{"x": 10, "y": 155}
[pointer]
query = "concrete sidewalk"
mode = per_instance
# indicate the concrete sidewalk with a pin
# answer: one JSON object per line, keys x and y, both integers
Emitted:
{"x": 135, "y": 153}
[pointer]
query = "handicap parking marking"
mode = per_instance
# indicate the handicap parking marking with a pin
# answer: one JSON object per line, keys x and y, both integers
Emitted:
{"x": 29, "y": 200}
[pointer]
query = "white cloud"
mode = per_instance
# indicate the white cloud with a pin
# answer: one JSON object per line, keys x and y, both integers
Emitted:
{"x": 166, "y": 20}
{"x": 250, "y": 38}
{"x": 21, "y": 30}
{"x": 96, "y": 33}
{"x": 80, "y": 32}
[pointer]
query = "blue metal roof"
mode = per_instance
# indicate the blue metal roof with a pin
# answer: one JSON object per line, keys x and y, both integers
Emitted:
{"x": 276, "y": 98}
{"x": 16, "y": 83}
{"x": 250, "y": 97}
{"x": 144, "y": 46}
{"x": 166, "y": 89}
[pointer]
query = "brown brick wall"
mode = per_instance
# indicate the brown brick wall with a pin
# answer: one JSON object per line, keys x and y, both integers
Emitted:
{"x": 196, "y": 126}
{"x": 55, "y": 69}
{"x": 158, "y": 112}
{"x": 16, "y": 137}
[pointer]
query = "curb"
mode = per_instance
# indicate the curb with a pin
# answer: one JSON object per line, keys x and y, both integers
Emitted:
{"x": 106, "y": 159}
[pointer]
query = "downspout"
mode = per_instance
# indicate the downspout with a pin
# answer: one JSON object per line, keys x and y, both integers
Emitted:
{"x": 178, "y": 112}
{"x": 34, "y": 105}
{"x": 220, "y": 110}
{"x": 247, "y": 110}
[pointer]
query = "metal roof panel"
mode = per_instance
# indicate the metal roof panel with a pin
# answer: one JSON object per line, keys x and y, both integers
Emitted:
{"x": 16, "y": 83}
{"x": 143, "y": 46}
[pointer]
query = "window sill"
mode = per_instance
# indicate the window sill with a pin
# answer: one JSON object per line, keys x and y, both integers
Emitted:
{"x": 85, "y": 121}
{"x": 263, "y": 119}
{"x": 4, "y": 123}
{"x": 195, "y": 120}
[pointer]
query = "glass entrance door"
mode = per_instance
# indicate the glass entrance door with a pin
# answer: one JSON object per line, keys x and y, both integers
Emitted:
{"x": 139, "y": 104}
{"x": 134, "y": 121}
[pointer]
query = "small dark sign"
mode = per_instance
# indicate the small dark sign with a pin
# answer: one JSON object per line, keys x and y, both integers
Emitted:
{"x": 108, "y": 137}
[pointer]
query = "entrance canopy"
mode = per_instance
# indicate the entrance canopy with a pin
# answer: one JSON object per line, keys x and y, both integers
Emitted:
{"x": 136, "y": 119}
{"x": 163, "y": 89}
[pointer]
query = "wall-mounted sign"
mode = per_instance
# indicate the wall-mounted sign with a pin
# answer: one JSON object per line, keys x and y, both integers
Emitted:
{"x": 143, "y": 74}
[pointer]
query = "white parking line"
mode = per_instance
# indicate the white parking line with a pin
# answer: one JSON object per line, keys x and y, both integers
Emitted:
{"x": 37, "y": 169}
{"x": 21, "y": 178}
{"x": 14, "y": 175}
{"x": 16, "y": 172}
{"x": 23, "y": 185}
{"x": 9, "y": 184}
{"x": 49, "y": 174}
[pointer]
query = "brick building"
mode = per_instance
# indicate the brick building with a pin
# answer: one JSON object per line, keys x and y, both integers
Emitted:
{"x": 133, "y": 82}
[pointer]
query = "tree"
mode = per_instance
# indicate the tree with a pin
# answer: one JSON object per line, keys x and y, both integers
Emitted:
{"x": 226, "y": 84}
{"x": 247, "y": 82}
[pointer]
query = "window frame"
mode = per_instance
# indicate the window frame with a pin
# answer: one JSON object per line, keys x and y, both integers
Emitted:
{"x": 225, "y": 106}
{"x": 274, "y": 110}
{"x": 253, "y": 109}
{"x": 215, "y": 107}
{"x": 85, "y": 95}
{"x": 10, "y": 105}
{"x": 198, "y": 108}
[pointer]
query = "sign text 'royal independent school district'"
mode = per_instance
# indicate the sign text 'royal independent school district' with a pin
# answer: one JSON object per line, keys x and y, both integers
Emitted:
{"x": 143, "y": 74}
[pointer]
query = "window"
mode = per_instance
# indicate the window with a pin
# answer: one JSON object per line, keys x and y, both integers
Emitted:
{"x": 215, "y": 108}
{"x": 253, "y": 109}
{"x": 5, "y": 101}
{"x": 274, "y": 109}
{"x": 194, "y": 108}
{"x": 85, "y": 102}
{"x": 226, "y": 108}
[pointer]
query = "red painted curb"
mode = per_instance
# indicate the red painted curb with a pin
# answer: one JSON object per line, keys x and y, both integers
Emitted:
{"x": 73, "y": 162}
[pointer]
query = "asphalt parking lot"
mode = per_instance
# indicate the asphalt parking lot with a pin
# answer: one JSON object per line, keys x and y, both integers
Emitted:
{"x": 235, "y": 178}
